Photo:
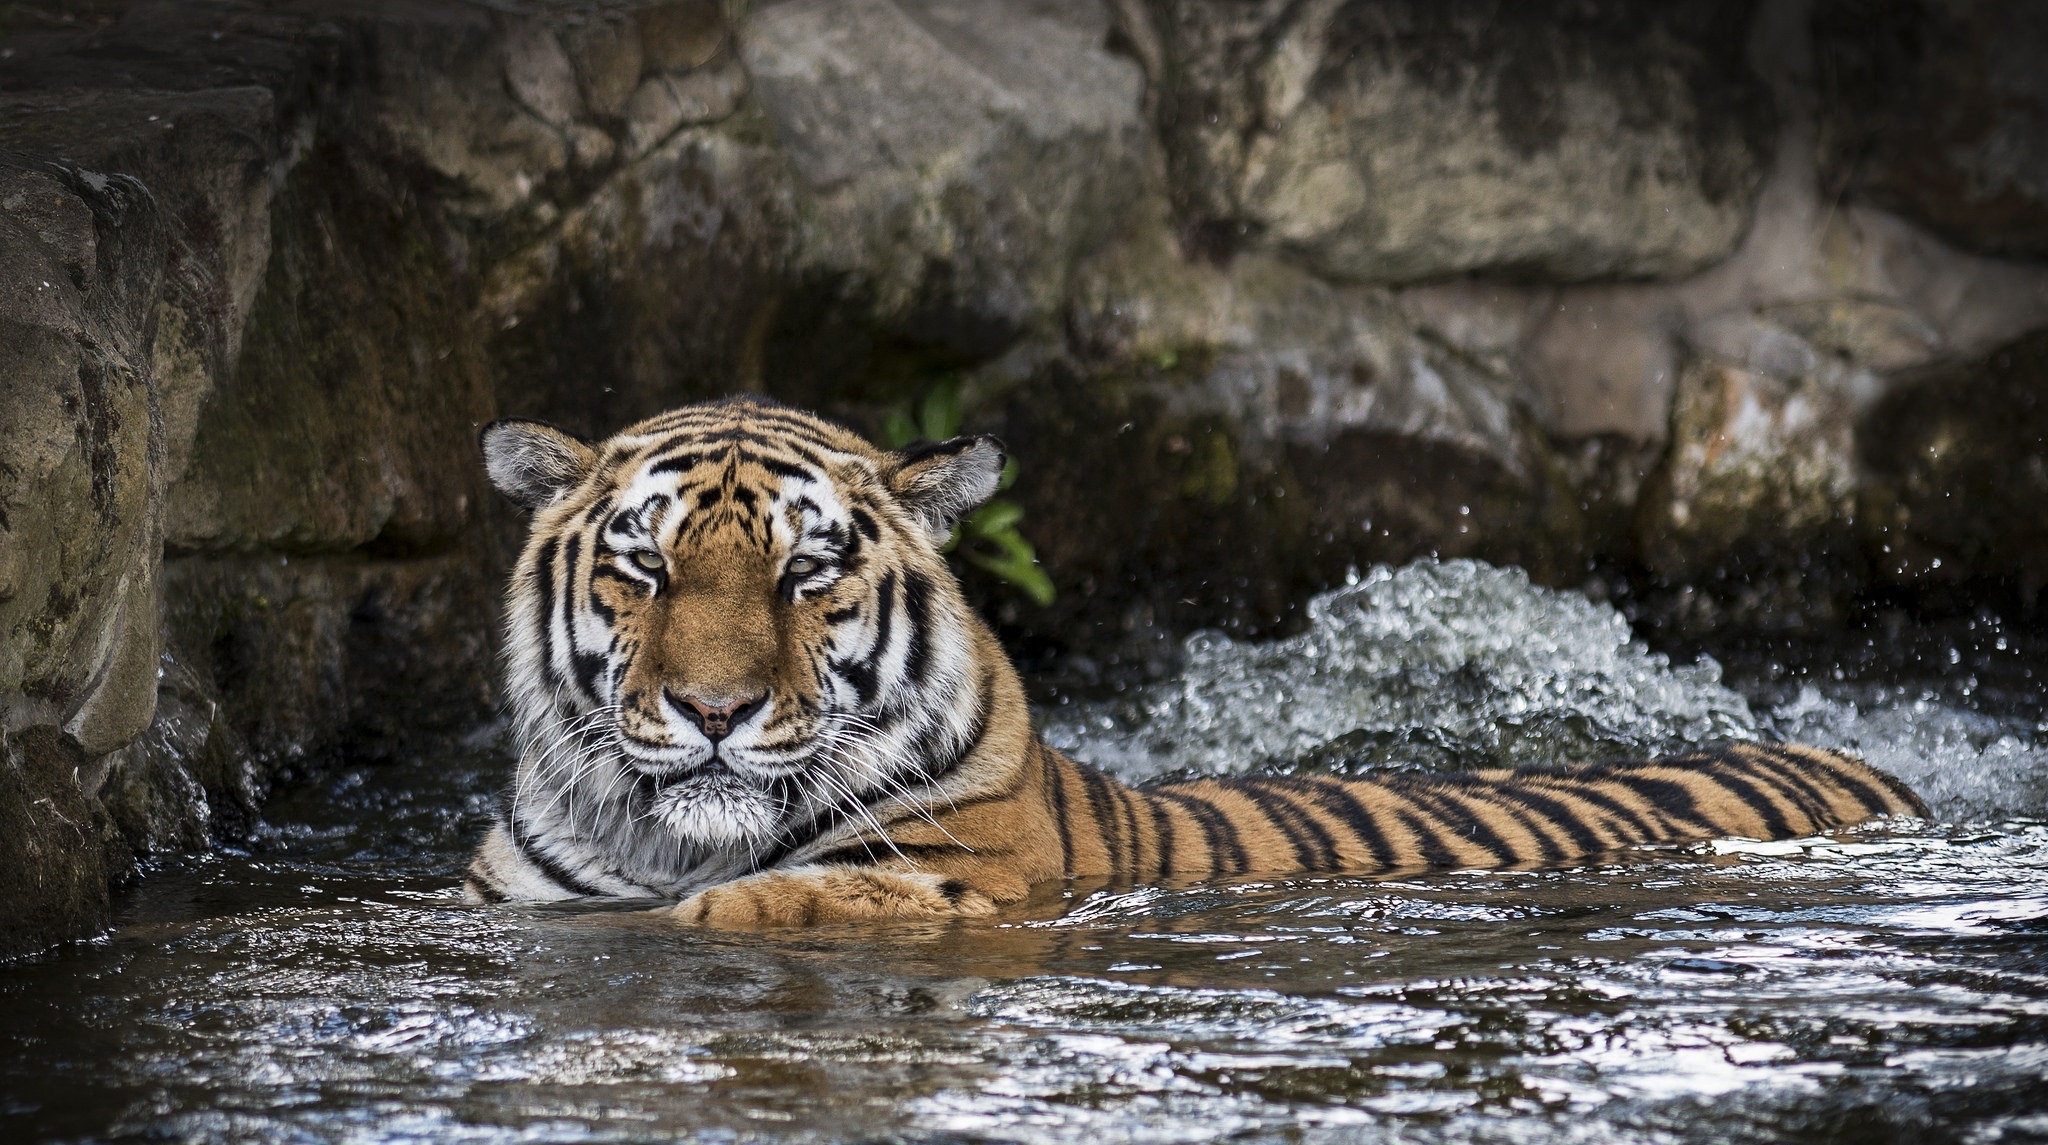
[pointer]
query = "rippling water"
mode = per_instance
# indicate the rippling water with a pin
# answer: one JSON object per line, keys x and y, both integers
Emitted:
{"x": 1882, "y": 986}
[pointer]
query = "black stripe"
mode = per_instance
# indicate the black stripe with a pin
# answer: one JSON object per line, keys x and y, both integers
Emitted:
{"x": 483, "y": 890}
{"x": 1644, "y": 832}
{"x": 862, "y": 853}
{"x": 1463, "y": 821}
{"x": 865, "y": 523}
{"x": 1843, "y": 774}
{"x": 1743, "y": 789}
{"x": 917, "y": 615}
{"x": 587, "y": 665}
{"x": 1791, "y": 781}
{"x": 1098, "y": 803}
{"x": 676, "y": 463}
{"x": 1217, "y": 828}
{"x": 859, "y": 674}
{"x": 572, "y": 551}
{"x": 1313, "y": 848}
{"x": 781, "y": 468}
{"x": 560, "y": 875}
{"x": 1057, "y": 792}
{"x": 544, "y": 589}
{"x": 1550, "y": 811}
{"x": 1331, "y": 795}
{"x": 1130, "y": 819}
{"x": 1666, "y": 795}
{"x": 1429, "y": 842}
{"x": 1848, "y": 771}
{"x": 1162, "y": 831}
{"x": 885, "y": 622}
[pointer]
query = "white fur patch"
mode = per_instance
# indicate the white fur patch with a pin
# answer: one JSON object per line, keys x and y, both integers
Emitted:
{"x": 718, "y": 810}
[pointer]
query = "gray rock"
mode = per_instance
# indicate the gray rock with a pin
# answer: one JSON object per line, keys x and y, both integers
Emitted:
{"x": 957, "y": 156}
{"x": 1397, "y": 142}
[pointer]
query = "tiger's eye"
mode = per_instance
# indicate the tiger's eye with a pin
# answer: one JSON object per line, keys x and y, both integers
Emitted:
{"x": 652, "y": 562}
{"x": 804, "y": 566}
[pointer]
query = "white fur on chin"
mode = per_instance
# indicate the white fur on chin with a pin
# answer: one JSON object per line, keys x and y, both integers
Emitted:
{"x": 720, "y": 810}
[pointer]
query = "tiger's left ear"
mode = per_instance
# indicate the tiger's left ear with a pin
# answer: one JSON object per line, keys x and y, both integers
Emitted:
{"x": 940, "y": 482}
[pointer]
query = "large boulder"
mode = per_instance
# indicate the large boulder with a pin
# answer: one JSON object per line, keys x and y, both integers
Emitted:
{"x": 131, "y": 232}
{"x": 1393, "y": 142}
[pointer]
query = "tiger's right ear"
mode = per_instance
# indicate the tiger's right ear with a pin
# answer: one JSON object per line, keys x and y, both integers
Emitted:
{"x": 532, "y": 462}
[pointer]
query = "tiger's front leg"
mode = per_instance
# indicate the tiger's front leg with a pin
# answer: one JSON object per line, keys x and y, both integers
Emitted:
{"x": 831, "y": 894}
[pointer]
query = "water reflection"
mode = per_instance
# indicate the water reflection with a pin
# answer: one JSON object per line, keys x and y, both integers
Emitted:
{"x": 1868, "y": 988}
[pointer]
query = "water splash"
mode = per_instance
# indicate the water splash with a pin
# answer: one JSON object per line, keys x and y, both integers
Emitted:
{"x": 1440, "y": 664}
{"x": 1969, "y": 766}
{"x": 1459, "y": 664}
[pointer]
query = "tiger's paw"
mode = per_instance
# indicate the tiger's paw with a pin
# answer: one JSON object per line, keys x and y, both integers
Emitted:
{"x": 830, "y": 894}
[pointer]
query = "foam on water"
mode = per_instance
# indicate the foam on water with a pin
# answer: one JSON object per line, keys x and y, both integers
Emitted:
{"x": 1461, "y": 664}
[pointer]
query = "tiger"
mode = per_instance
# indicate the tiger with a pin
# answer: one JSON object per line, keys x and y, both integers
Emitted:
{"x": 743, "y": 679}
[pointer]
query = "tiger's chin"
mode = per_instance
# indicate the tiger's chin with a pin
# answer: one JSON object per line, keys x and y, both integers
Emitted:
{"x": 716, "y": 809}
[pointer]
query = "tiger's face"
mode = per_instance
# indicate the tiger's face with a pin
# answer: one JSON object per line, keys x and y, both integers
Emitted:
{"x": 733, "y": 621}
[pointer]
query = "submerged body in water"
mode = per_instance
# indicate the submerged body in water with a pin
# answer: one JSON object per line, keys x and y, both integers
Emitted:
{"x": 744, "y": 677}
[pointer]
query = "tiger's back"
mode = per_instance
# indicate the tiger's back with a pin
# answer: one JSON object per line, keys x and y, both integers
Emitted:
{"x": 744, "y": 678}
{"x": 1408, "y": 820}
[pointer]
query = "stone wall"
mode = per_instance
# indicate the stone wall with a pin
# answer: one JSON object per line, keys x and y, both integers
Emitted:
{"x": 1738, "y": 308}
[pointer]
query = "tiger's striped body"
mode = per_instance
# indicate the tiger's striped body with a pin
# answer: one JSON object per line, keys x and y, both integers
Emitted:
{"x": 1410, "y": 820}
{"x": 744, "y": 679}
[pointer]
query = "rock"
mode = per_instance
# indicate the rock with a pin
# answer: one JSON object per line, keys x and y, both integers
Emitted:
{"x": 346, "y": 418}
{"x": 956, "y": 156}
{"x": 1957, "y": 464}
{"x": 1399, "y": 142}
{"x": 1939, "y": 111}
{"x": 1755, "y": 501}
{"x": 661, "y": 286}
{"x": 445, "y": 92}
{"x": 1246, "y": 432}
{"x": 314, "y": 657}
{"x": 185, "y": 784}
{"x": 55, "y": 844}
{"x": 665, "y": 102}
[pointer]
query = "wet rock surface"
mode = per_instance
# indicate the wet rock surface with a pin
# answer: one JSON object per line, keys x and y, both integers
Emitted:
{"x": 1733, "y": 309}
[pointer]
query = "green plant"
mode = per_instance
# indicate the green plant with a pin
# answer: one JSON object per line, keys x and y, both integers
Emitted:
{"x": 986, "y": 538}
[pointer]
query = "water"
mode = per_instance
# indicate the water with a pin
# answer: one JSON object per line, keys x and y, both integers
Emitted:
{"x": 1882, "y": 986}
{"x": 1454, "y": 664}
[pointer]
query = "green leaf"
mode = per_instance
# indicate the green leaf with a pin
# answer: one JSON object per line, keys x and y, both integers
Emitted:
{"x": 994, "y": 517}
{"x": 1017, "y": 568}
{"x": 939, "y": 416}
{"x": 898, "y": 430}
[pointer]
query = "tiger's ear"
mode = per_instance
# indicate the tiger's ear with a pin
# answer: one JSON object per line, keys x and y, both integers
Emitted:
{"x": 942, "y": 481}
{"x": 532, "y": 462}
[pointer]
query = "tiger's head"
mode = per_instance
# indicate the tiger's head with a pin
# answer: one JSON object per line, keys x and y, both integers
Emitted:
{"x": 731, "y": 621}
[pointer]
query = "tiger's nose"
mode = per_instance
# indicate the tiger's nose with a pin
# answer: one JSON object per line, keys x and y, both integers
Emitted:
{"x": 715, "y": 721}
